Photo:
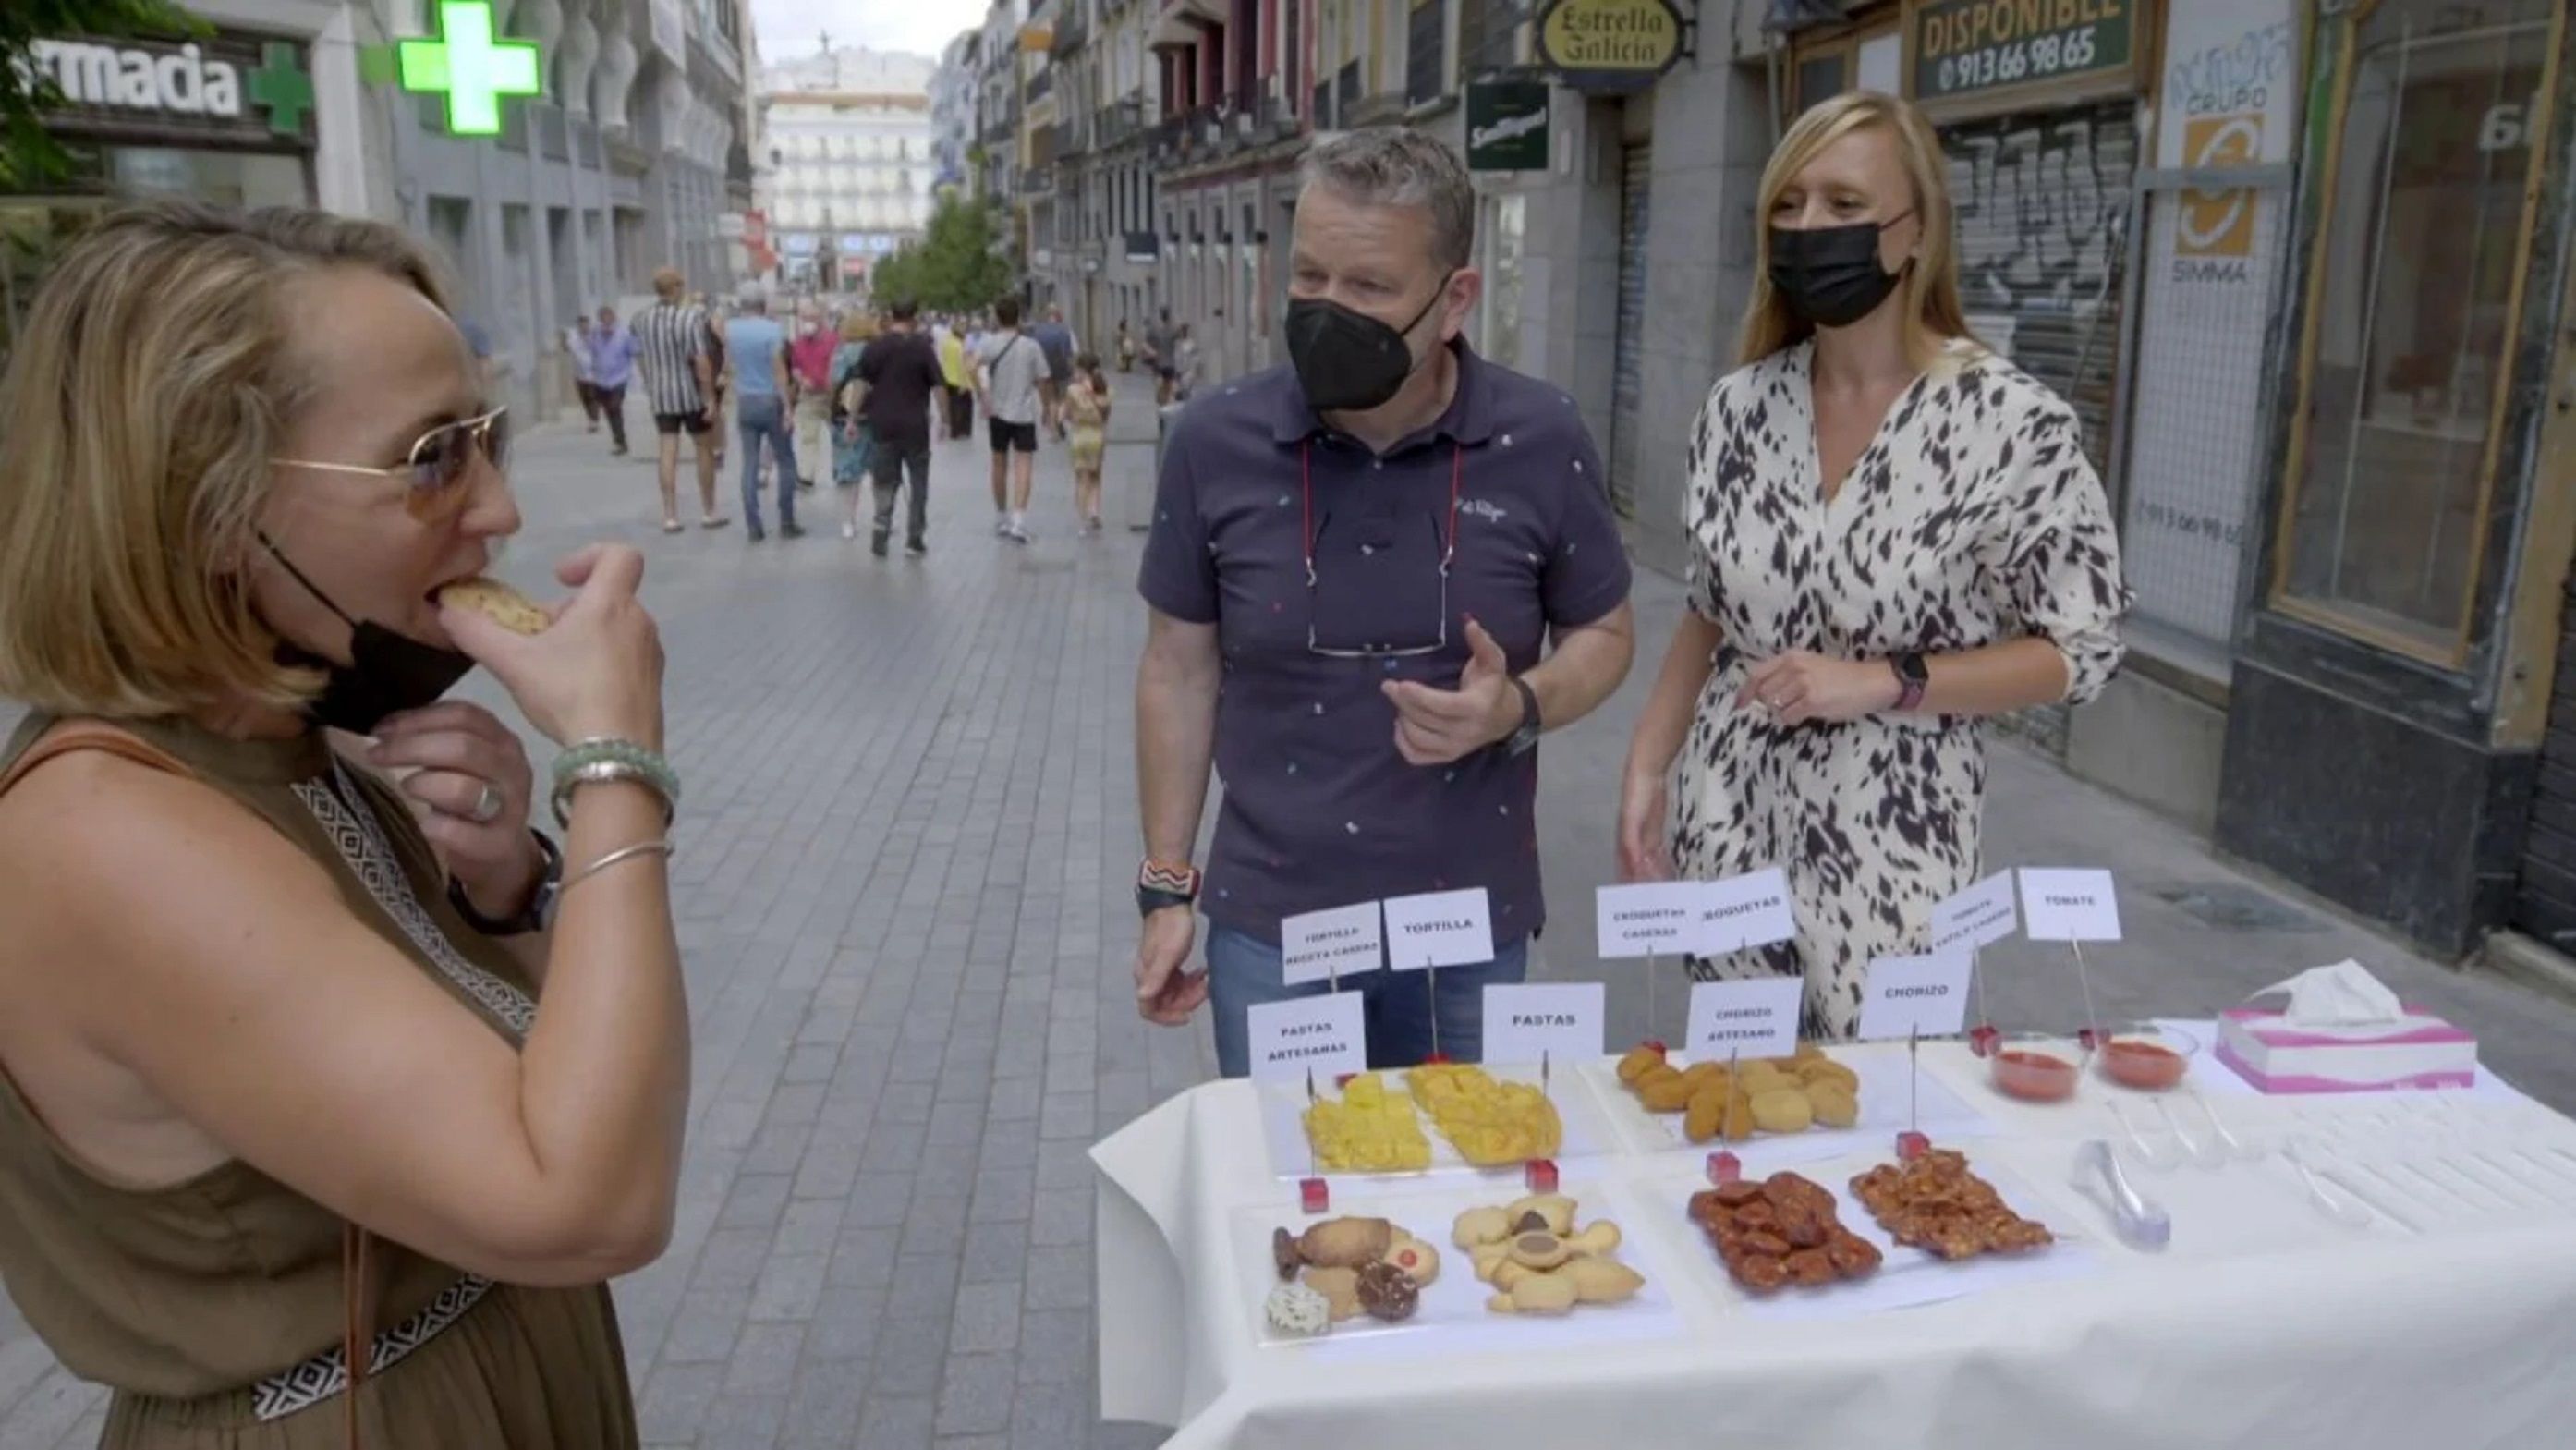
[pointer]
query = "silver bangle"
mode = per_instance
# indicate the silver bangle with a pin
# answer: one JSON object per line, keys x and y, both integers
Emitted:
{"x": 662, "y": 848}
{"x": 601, "y": 772}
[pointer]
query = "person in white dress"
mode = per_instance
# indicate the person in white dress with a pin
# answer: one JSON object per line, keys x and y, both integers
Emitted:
{"x": 1895, "y": 534}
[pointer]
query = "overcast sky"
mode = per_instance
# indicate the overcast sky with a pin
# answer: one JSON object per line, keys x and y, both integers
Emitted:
{"x": 793, "y": 28}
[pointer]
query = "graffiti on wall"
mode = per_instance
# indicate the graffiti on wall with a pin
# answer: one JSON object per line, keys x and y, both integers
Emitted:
{"x": 2041, "y": 204}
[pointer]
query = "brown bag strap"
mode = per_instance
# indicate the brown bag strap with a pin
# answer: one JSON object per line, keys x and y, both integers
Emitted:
{"x": 359, "y": 1335}
{"x": 74, "y": 735}
{"x": 359, "y": 1296}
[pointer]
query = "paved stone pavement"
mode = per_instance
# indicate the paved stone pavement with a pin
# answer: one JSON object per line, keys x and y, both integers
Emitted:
{"x": 903, "y": 890}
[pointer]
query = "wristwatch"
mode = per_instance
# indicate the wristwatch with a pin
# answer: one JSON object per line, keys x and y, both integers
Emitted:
{"x": 1912, "y": 677}
{"x": 534, "y": 917}
{"x": 1161, "y": 884}
{"x": 1518, "y": 743}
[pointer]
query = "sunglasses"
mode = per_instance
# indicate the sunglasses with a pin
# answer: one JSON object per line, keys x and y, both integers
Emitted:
{"x": 1448, "y": 550}
{"x": 439, "y": 462}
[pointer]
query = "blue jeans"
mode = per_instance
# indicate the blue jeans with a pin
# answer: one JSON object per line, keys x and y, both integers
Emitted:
{"x": 762, "y": 417}
{"x": 1244, "y": 970}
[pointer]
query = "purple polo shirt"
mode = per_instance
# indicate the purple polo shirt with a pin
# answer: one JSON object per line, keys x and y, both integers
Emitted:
{"x": 1319, "y": 809}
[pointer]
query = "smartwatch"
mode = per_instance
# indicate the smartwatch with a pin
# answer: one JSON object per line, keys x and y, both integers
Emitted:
{"x": 534, "y": 917}
{"x": 1161, "y": 884}
{"x": 1912, "y": 677}
{"x": 1518, "y": 743}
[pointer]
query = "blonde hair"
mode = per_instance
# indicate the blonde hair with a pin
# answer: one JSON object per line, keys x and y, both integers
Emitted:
{"x": 149, "y": 389}
{"x": 857, "y": 326}
{"x": 1930, "y": 286}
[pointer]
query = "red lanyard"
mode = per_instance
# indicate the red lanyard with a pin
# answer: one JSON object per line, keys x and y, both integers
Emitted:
{"x": 1306, "y": 510}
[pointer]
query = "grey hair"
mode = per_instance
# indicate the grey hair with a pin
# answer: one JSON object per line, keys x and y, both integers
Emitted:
{"x": 1400, "y": 166}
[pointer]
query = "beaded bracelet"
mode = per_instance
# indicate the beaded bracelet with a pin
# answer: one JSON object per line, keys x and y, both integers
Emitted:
{"x": 599, "y": 760}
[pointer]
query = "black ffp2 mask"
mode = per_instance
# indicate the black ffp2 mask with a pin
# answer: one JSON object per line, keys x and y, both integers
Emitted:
{"x": 1830, "y": 276}
{"x": 1346, "y": 360}
{"x": 387, "y": 672}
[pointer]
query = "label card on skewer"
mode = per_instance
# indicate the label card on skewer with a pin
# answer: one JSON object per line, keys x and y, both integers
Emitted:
{"x": 1756, "y": 1018}
{"x": 1647, "y": 918}
{"x": 2069, "y": 906}
{"x": 1915, "y": 996}
{"x": 1342, "y": 942}
{"x": 1977, "y": 917}
{"x": 1326, "y": 1035}
{"x": 1543, "y": 1021}
{"x": 1439, "y": 929}
{"x": 1751, "y": 910}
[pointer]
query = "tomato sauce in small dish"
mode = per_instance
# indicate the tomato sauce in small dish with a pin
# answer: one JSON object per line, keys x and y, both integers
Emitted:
{"x": 2033, "y": 1070}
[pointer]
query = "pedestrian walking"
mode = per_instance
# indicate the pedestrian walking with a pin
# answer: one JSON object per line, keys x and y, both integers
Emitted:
{"x": 1126, "y": 348}
{"x": 810, "y": 366}
{"x": 899, "y": 383}
{"x": 302, "y": 1108}
{"x": 1894, "y": 534}
{"x": 852, "y": 438}
{"x": 957, "y": 375}
{"x": 1056, "y": 341}
{"x": 1185, "y": 364}
{"x": 1009, "y": 372}
{"x": 763, "y": 386}
{"x": 1161, "y": 344}
{"x": 677, "y": 353}
{"x": 585, "y": 382}
{"x": 1086, "y": 407}
{"x": 612, "y": 364}
{"x": 1374, "y": 577}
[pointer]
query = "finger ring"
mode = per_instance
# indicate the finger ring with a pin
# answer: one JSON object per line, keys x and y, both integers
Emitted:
{"x": 487, "y": 806}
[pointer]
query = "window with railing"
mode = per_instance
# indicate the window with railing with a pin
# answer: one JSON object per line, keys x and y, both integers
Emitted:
{"x": 1426, "y": 53}
{"x": 1488, "y": 35}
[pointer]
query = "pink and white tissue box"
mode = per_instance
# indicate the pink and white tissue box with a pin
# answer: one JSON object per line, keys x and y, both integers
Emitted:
{"x": 2417, "y": 1050}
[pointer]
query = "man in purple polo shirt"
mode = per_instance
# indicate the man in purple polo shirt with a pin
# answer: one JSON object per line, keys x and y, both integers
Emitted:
{"x": 1371, "y": 551}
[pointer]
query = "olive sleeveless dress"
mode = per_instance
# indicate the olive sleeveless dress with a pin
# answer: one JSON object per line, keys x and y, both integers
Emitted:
{"x": 216, "y": 1309}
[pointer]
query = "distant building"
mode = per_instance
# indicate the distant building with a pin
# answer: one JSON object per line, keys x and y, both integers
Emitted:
{"x": 851, "y": 161}
{"x": 954, "y": 90}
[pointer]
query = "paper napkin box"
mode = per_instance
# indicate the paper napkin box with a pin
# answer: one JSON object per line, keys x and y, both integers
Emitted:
{"x": 2414, "y": 1050}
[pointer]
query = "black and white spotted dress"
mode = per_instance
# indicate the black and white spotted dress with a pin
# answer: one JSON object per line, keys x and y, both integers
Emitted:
{"x": 1971, "y": 518}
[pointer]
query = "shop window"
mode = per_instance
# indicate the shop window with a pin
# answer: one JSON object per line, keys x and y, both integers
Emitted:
{"x": 2415, "y": 276}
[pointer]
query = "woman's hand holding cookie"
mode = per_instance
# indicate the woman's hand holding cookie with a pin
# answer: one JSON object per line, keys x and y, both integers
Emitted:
{"x": 596, "y": 670}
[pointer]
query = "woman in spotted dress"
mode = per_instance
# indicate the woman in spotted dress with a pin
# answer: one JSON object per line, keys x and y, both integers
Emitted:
{"x": 1894, "y": 535}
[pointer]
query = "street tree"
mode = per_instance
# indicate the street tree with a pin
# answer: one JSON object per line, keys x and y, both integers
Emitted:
{"x": 27, "y": 154}
{"x": 957, "y": 265}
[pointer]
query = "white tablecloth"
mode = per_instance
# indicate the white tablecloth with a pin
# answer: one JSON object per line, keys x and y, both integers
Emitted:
{"x": 2449, "y": 1321}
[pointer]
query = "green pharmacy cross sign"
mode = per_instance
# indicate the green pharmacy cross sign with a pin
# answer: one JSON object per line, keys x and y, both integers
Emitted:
{"x": 472, "y": 68}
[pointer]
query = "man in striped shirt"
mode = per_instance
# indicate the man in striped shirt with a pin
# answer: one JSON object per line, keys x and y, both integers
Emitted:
{"x": 676, "y": 350}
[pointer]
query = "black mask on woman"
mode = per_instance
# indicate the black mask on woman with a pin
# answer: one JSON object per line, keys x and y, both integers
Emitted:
{"x": 1348, "y": 361}
{"x": 1830, "y": 275}
{"x": 387, "y": 672}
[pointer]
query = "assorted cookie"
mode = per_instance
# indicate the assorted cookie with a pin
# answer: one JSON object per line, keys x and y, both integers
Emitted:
{"x": 1342, "y": 1268}
{"x": 1782, "y": 1231}
{"x": 1935, "y": 1204}
{"x": 1537, "y": 1260}
{"x": 1760, "y": 1095}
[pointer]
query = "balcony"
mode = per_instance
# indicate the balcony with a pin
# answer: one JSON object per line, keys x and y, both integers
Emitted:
{"x": 1072, "y": 32}
{"x": 1046, "y": 144}
{"x": 1118, "y": 123}
{"x": 1039, "y": 87}
{"x": 1143, "y": 246}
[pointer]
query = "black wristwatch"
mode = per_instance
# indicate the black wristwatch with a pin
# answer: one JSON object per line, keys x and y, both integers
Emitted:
{"x": 1162, "y": 884}
{"x": 534, "y": 917}
{"x": 1526, "y": 735}
{"x": 1913, "y": 676}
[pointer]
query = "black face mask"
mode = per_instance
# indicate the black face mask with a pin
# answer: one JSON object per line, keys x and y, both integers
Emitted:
{"x": 1348, "y": 361}
{"x": 1830, "y": 275}
{"x": 387, "y": 672}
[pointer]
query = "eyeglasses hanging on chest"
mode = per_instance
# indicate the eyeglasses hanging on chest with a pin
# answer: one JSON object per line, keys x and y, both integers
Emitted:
{"x": 1354, "y": 622}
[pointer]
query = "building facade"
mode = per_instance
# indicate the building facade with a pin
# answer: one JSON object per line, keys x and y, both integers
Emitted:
{"x": 953, "y": 94}
{"x": 852, "y": 163}
{"x": 628, "y": 157}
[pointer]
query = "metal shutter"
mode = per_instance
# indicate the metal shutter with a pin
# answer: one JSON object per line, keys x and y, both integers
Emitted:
{"x": 2044, "y": 208}
{"x": 1636, "y": 169}
{"x": 2544, "y": 896}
